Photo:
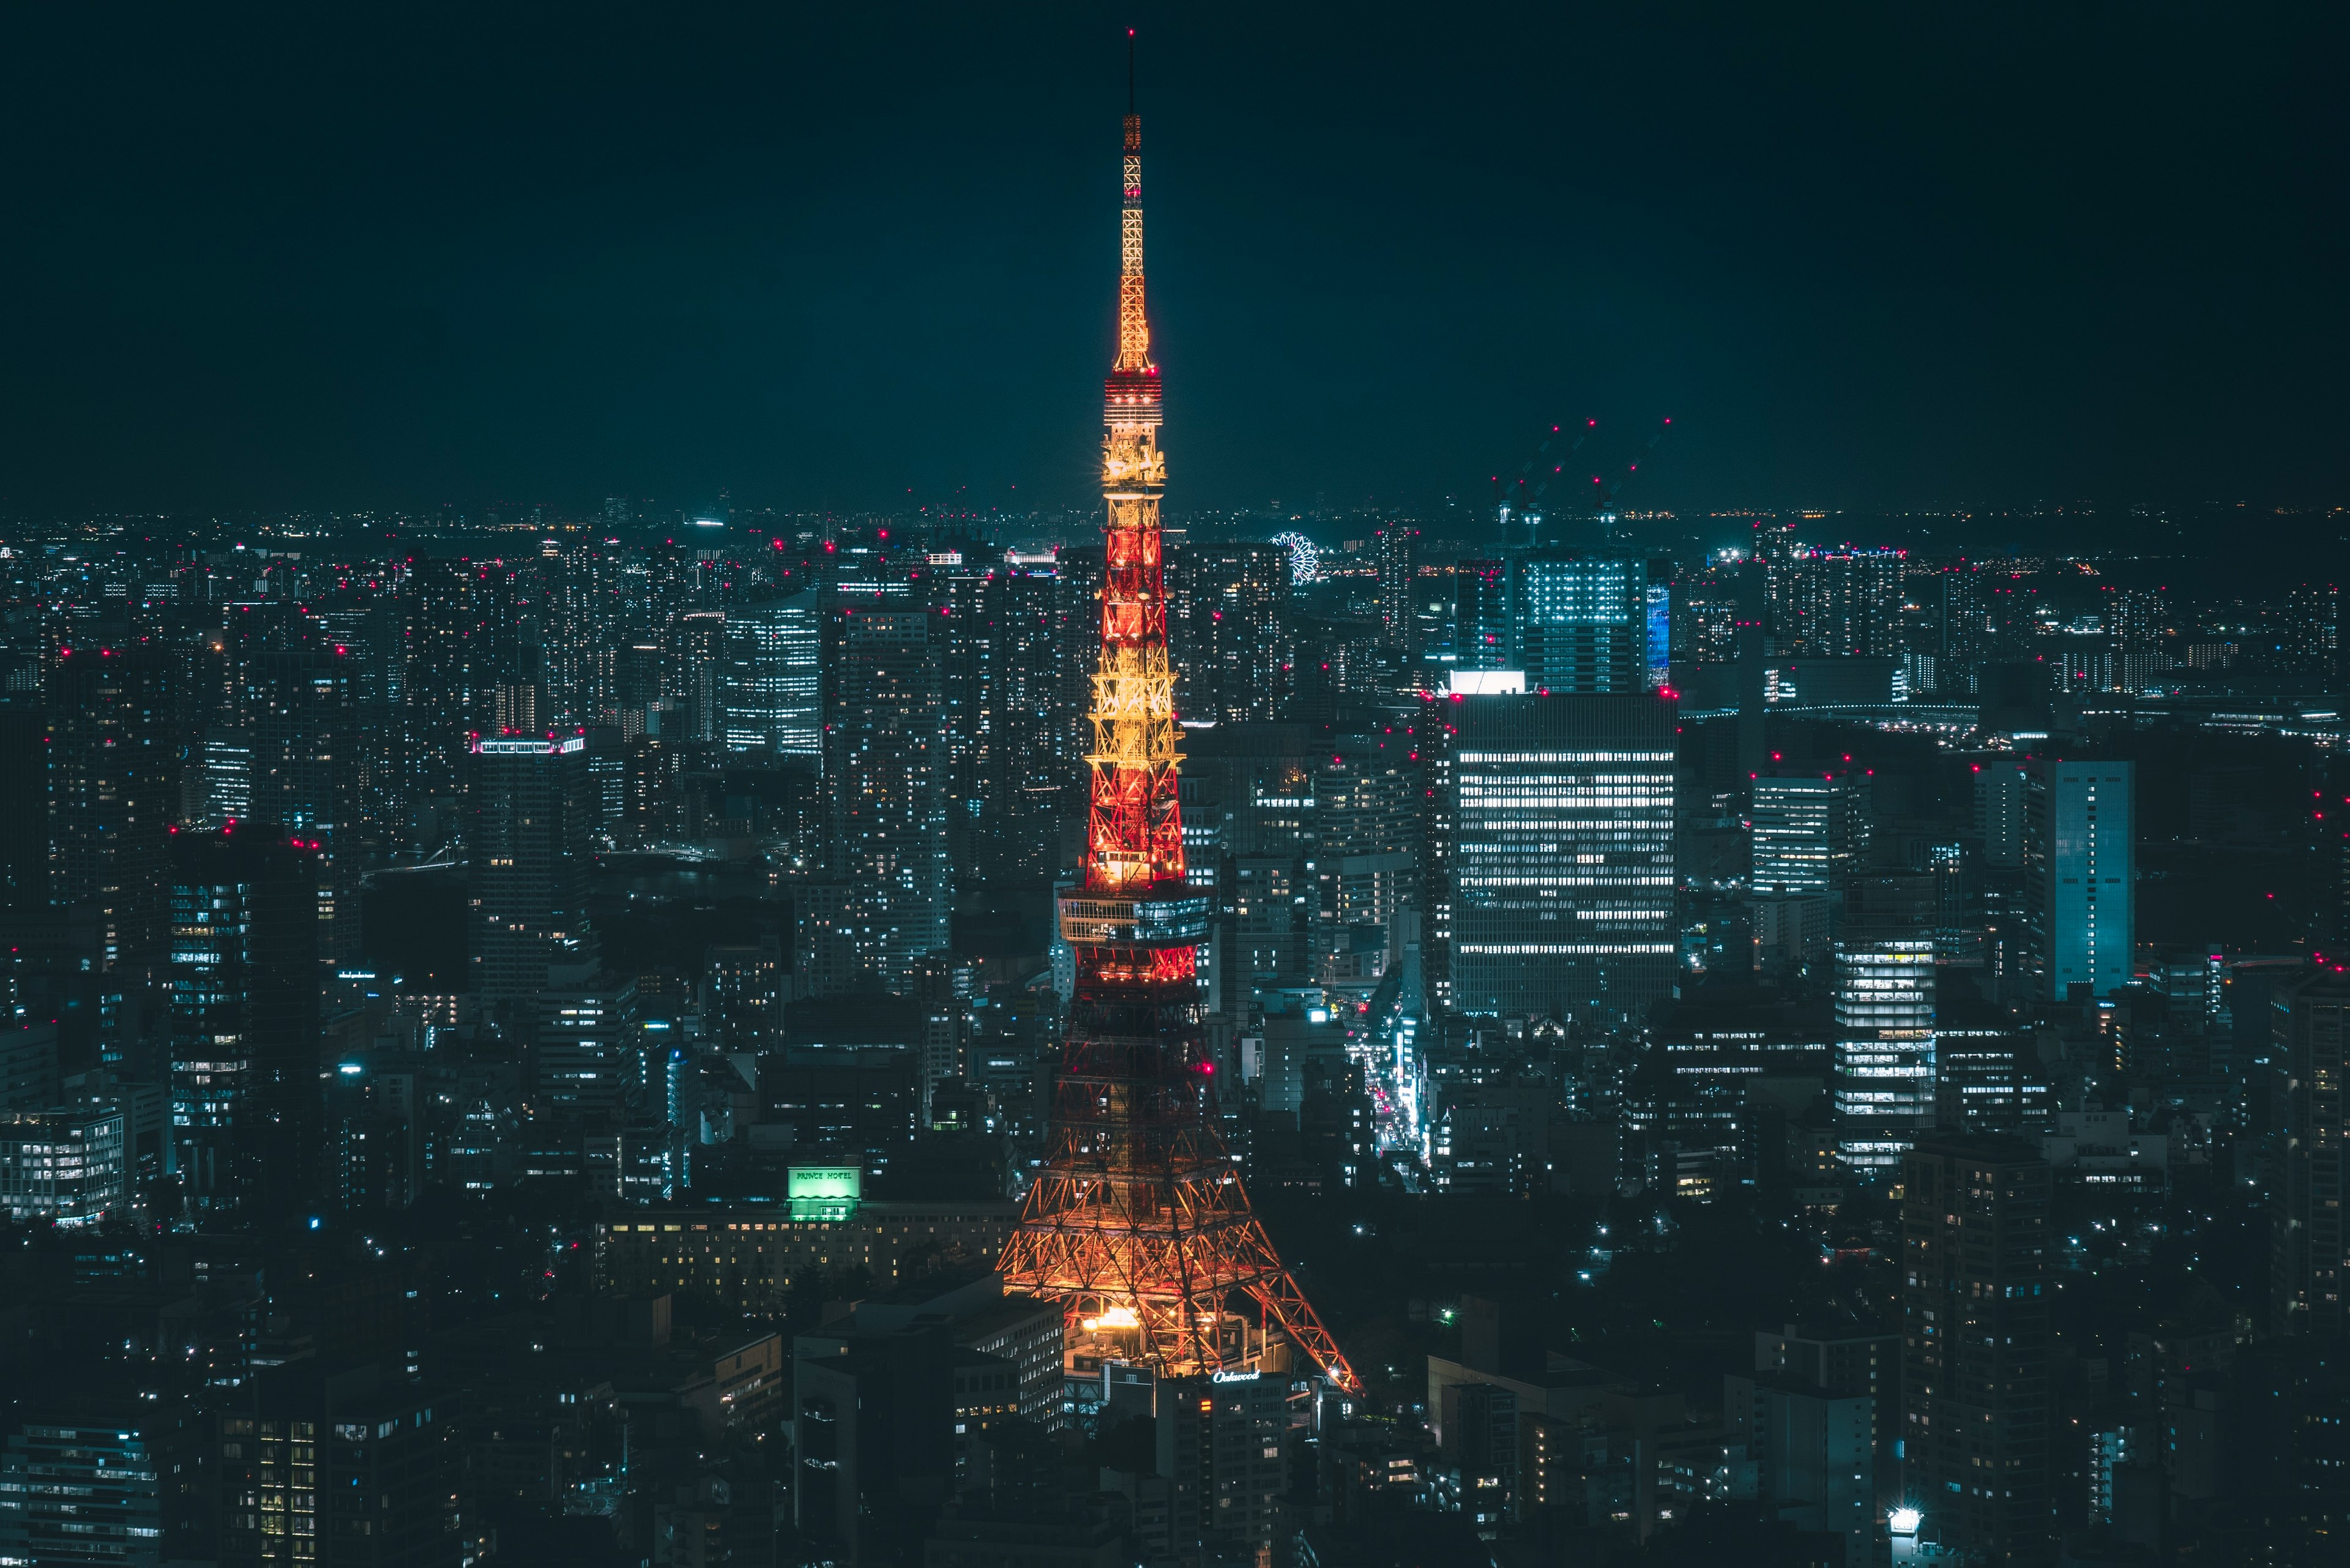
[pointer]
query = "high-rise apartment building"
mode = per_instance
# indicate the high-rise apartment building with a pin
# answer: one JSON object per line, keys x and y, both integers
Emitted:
{"x": 1579, "y": 621}
{"x": 1884, "y": 1049}
{"x": 2309, "y": 1243}
{"x": 245, "y": 1105}
{"x": 534, "y": 816}
{"x": 1809, "y": 833}
{"x": 774, "y": 686}
{"x": 1399, "y": 582}
{"x": 2079, "y": 896}
{"x": 1561, "y": 869}
{"x": 1007, "y": 720}
{"x": 1229, "y": 609}
{"x": 1976, "y": 1293}
{"x": 1837, "y": 604}
{"x": 2312, "y": 642}
{"x": 114, "y": 790}
{"x": 445, "y": 683}
{"x": 886, "y": 786}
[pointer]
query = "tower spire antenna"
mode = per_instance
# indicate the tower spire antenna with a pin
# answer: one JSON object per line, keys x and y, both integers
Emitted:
{"x": 1129, "y": 71}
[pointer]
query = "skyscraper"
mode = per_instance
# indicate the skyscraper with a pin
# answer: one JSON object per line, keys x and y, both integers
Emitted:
{"x": 1563, "y": 882}
{"x": 885, "y": 785}
{"x": 774, "y": 690}
{"x": 247, "y": 1110}
{"x": 114, "y": 790}
{"x": 1975, "y": 1299}
{"x": 1883, "y": 1048}
{"x": 1234, "y": 601}
{"x": 1006, "y": 722}
{"x": 533, "y": 825}
{"x": 1579, "y": 621}
{"x": 1837, "y": 604}
{"x": 1808, "y": 833}
{"x": 1399, "y": 581}
{"x": 2079, "y": 896}
{"x": 301, "y": 723}
{"x": 1480, "y": 615}
{"x": 445, "y": 689}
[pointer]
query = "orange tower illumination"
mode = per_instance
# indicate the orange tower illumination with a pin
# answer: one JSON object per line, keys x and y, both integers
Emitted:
{"x": 1139, "y": 1223}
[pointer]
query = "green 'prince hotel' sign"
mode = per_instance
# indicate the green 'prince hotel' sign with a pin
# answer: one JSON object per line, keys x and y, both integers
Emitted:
{"x": 824, "y": 1191}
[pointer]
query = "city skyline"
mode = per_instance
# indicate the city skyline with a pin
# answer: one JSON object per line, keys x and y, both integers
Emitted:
{"x": 1537, "y": 1030}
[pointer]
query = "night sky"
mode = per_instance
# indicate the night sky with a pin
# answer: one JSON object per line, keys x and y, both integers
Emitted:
{"x": 1880, "y": 255}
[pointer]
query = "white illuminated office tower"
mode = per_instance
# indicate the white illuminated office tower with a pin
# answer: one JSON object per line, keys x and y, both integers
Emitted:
{"x": 1563, "y": 866}
{"x": 1884, "y": 1050}
{"x": 1808, "y": 833}
{"x": 774, "y": 698}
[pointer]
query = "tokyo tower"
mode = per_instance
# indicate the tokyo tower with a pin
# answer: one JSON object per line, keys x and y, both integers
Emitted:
{"x": 1139, "y": 1221}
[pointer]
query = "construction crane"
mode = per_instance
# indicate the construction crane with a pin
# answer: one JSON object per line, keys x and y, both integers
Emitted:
{"x": 1528, "y": 501}
{"x": 1603, "y": 495}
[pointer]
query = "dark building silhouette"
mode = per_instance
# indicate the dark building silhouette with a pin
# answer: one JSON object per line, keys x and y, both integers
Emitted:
{"x": 246, "y": 1107}
{"x": 2310, "y": 1249}
{"x": 533, "y": 819}
{"x": 1975, "y": 1300}
{"x": 114, "y": 791}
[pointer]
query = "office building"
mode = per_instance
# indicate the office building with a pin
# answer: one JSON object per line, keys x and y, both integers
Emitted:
{"x": 1480, "y": 615}
{"x": 2079, "y": 898}
{"x": 334, "y": 1469}
{"x": 65, "y": 1164}
{"x": 302, "y": 730}
{"x": 587, "y": 1053}
{"x": 2309, "y": 1245}
{"x": 1999, "y": 812}
{"x": 246, "y": 1111}
{"x": 1809, "y": 833}
{"x": 226, "y": 760}
{"x": 533, "y": 818}
{"x": 1884, "y": 1050}
{"x": 774, "y": 690}
{"x": 1562, "y": 873}
{"x": 1976, "y": 1291}
{"x": 90, "y": 1483}
{"x": 1813, "y": 1455}
{"x": 1579, "y": 621}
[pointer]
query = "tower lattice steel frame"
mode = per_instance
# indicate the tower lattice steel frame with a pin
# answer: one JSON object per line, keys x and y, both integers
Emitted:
{"x": 1139, "y": 1221}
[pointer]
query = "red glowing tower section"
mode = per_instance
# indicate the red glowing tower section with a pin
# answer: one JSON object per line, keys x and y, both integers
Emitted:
{"x": 1138, "y": 1221}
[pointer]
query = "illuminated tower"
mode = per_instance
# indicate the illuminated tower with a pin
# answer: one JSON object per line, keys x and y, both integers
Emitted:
{"x": 1138, "y": 1221}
